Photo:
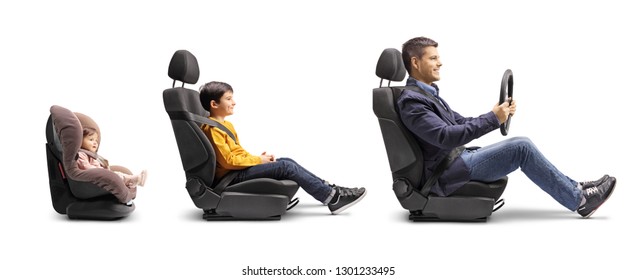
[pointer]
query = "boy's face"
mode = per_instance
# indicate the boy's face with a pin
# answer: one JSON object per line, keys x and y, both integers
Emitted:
{"x": 225, "y": 107}
{"x": 90, "y": 142}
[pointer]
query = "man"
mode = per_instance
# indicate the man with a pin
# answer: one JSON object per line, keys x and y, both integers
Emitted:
{"x": 440, "y": 130}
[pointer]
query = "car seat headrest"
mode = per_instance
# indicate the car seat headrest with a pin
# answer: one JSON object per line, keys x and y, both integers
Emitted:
{"x": 69, "y": 131}
{"x": 390, "y": 65}
{"x": 184, "y": 67}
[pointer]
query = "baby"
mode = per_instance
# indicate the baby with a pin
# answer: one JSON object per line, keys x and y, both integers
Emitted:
{"x": 88, "y": 158}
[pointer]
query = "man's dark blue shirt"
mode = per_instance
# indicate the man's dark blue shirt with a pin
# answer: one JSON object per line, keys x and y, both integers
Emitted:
{"x": 439, "y": 130}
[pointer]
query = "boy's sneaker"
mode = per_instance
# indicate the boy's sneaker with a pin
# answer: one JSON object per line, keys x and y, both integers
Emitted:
{"x": 596, "y": 193}
{"x": 339, "y": 188}
{"x": 346, "y": 198}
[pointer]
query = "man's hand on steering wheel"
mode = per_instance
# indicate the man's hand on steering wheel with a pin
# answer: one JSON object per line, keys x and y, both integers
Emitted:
{"x": 502, "y": 111}
{"x": 512, "y": 108}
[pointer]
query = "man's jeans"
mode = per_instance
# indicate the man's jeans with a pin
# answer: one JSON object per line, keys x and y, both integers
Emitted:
{"x": 288, "y": 169}
{"x": 492, "y": 162}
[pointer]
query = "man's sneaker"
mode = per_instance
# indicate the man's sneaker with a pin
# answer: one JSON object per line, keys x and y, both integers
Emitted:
{"x": 346, "y": 198}
{"x": 597, "y": 182}
{"x": 596, "y": 195}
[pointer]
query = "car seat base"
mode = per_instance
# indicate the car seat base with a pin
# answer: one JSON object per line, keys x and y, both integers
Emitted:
{"x": 212, "y": 215}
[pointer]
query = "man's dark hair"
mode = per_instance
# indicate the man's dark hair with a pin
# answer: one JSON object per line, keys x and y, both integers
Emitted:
{"x": 212, "y": 91}
{"x": 415, "y": 47}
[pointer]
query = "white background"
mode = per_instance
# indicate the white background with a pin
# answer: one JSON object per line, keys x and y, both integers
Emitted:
{"x": 303, "y": 74}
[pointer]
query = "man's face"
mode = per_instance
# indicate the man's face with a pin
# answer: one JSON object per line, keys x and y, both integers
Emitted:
{"x": 426, "y": 68}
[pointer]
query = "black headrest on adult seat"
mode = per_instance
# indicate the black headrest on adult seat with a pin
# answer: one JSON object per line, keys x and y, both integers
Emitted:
{"x": 184, "y": 67}
{"x": 390, "y": 65}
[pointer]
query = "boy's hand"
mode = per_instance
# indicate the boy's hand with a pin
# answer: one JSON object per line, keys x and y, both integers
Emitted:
{"x": 265, "y": 158}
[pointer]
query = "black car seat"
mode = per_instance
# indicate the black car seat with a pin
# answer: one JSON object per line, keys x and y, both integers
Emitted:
{"x": 474, "y": 201}
{"x": 256, "y": 199}
{"x": 96, "y": 194}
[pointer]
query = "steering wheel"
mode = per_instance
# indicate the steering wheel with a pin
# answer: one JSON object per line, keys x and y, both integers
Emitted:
{"x": 506, "y": 91}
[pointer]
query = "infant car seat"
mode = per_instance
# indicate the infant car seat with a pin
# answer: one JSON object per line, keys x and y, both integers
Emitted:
{"x": 253, "y": 199}
{"x": 474, "y": 201}
{"x": 81, "y": 194}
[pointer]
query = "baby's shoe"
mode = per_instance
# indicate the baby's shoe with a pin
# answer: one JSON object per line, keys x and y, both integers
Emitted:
{"x": 139, "y": 179}
{"x": 142, "y": 178}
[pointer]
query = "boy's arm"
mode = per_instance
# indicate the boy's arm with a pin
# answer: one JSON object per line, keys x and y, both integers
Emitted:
{"x": 231, "y": 155}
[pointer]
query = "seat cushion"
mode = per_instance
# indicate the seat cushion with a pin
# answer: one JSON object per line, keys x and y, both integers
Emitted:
{"x": 265, "y": 186}
{"x": 480, "y": 189}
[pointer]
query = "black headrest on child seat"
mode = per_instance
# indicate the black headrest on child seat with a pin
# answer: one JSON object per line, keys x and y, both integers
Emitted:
{"x": 184, "y": 67}
{"x": 390, "y": 65}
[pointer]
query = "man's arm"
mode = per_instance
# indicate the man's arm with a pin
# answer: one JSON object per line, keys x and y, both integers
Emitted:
{"x": 421, "y": 119}
{"x": 460, "y": 119}
{"x": 501, "y": 111}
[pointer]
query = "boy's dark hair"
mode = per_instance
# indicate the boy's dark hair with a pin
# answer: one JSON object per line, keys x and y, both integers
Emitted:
{"x": 88, "y": 131}
{"x": 212, "y": 91}
{"x": 415, "y": 47}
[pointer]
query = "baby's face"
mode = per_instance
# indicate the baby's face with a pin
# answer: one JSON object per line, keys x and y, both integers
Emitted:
{"x": 90, "y": 142}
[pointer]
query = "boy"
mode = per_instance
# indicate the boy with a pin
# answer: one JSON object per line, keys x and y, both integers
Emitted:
{"x": 217, "y": 98}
